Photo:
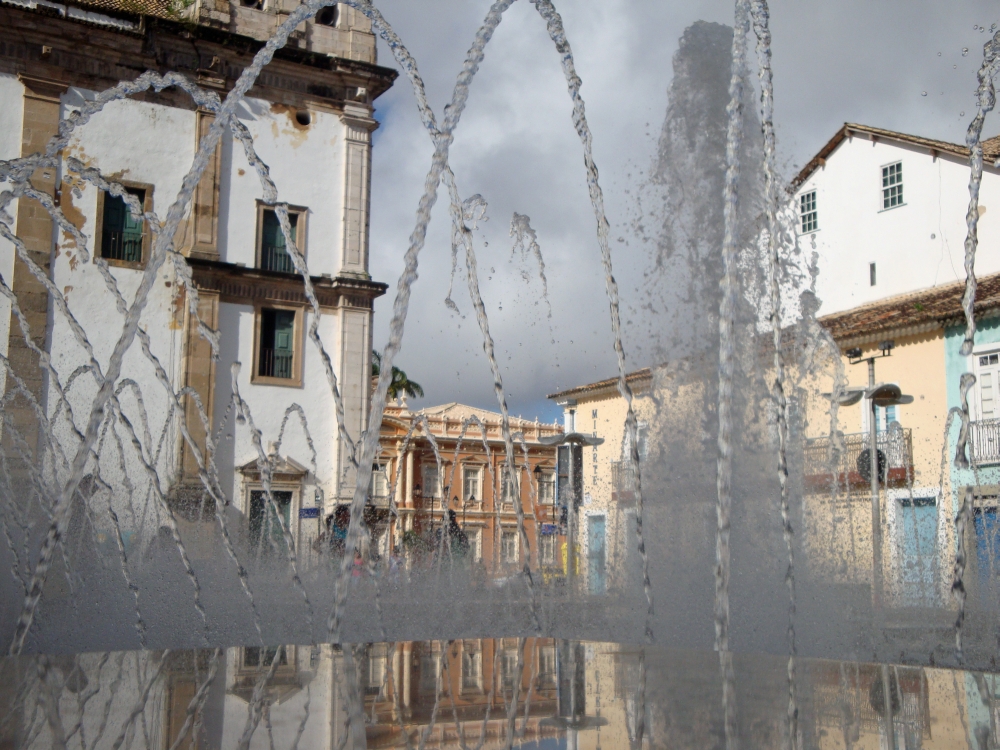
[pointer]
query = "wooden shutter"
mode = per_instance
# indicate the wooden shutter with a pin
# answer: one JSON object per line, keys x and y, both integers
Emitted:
{"x": 284, "y": 342}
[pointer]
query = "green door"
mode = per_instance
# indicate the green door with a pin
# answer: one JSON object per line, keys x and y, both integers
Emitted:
{"x": 284, "y": 329}
{"x": 274, "y": 250}
{"x": 121, "y": 233}
{"x": 266, "y": 536}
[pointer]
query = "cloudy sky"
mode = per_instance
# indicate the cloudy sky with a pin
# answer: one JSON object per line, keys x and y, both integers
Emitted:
{"x": 896, "y": 64}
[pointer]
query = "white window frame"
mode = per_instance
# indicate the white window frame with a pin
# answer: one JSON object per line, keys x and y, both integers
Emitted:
{"x": 547, "y": 543}
{"x": 472, "y": 681}
{"x": 986, "y": 350}
{"x": 547, "y": 479}
{"x": 476, "y": 474}
{"x": 475, "y": 536}
{"x": 436, "y": 492}
{"x": 514, "y": 476}
{"x": 506, "y": 532}
{"x": 886, "y": 190}
{"x": 381, "y": 469}
{"x": 811, "y": 215}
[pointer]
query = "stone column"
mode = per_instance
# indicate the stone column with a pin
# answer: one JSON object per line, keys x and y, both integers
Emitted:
{"x": 407, "y": 669}
{"x": 35, "y": 228}
{"x": 354, "y": 377}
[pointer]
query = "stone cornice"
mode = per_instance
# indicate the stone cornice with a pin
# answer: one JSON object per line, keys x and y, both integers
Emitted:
{"x": 248, "y": 286}
{"x": 40, "y": 44}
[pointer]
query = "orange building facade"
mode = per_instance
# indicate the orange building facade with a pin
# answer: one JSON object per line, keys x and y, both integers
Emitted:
{"x": 423, "y": 493}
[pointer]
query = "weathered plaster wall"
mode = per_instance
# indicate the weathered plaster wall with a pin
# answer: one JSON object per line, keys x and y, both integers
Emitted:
{"x": 306, "y": 164}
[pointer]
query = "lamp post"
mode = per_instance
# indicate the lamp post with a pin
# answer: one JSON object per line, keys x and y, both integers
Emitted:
{"x": 574, "y": 441}
{"x": 881, "y": 395}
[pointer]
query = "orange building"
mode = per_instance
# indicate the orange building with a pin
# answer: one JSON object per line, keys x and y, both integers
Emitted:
{"x": 415, "y": 490}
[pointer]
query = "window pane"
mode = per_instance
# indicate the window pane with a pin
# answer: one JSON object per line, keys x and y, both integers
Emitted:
{"x": 273, "y": 248}
{"x": 121, "y": 233}
{"x": 277, "y": 343}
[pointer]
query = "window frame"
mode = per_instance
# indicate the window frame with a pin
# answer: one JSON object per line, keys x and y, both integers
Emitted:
{"x": 884, "y": 189}
{"x": 544, "y": 541}
{"x": 512, "y": 531}
{"x": 438, "y": 492}
{"x": 383, "y": 467}
{"x": 298, "y": 345}
{"x": 514, "y": 476}
{"x": 147, "y": 207}
{"x": 985, "y": 350}
{"x": 295, "y": 488}
{"x": 468, "y": 470}
{"x": 301, "y": 226}
{"x": 814, "y": 213}
{"x": 474, "y": 649}
{"x": 547, "y": 477}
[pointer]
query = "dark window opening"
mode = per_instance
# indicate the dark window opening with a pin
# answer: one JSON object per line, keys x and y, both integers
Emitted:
{"x": 266, "y": 535}
{"x": 258, "y": 4}
{"x": 277, "y": 343}
{"x": 327, "y": 16}
{"x": 274, "y": 254}
{"x": 121, "y": 232}
{"x": 255, "y": 656}
{"x": 871, "y": 274}
{"x": 302, "y": 117}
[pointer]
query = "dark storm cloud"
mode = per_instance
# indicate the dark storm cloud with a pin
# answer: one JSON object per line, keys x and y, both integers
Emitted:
{"x": 834, "y": 62}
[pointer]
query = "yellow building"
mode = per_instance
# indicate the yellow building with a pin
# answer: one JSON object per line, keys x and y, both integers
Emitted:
{"x": 606, "y": 518}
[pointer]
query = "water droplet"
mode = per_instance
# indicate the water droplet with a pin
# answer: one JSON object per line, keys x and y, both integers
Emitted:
{"x": 954, "y": 67}
{"x": 922, "y": 93}
{"x": 961, "y": 114}
{"x": 975, "y": 27}
{"x": 493, "y": 270}
{"x": 965, "y": 51}
{"x": 939, "y": 54}
{"x": 933, "y": 236}
{"x": 982, "y": 29}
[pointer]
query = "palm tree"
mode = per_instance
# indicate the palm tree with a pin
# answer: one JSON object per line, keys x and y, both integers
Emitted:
{"x": 400, "y": 383}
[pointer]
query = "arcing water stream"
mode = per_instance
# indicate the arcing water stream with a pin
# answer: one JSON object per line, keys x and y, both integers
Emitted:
{"x": 537, "y": 635}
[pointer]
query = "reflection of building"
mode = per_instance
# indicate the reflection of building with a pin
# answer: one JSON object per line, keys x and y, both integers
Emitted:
{"x": 606, "y": 518}
{"x": 470, "y": 481}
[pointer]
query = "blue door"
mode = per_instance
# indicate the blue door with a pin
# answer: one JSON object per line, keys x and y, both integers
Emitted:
{"x": 596, "y": 555}
{"x": 987, "y": 546}
{"x": 917, "y": 521}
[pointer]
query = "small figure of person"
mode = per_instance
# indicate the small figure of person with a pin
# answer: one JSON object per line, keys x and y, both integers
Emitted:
{"x": 357, "y": 568}
{"x": 458, "y": 540}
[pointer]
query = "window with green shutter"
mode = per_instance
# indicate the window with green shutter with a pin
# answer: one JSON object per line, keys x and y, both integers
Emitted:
{"x": 277, "y": 343}
{"x": 273, "y": 248}
{"x": 121, "y": 232}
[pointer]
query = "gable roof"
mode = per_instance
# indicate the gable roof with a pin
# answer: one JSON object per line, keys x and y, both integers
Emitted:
{"x": 924, "y": 310}
{"x": 638, "y": 378}
{"x": 991, "y": 147}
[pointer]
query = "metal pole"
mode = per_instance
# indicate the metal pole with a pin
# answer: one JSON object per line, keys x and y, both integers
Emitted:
{"x": 570, "y": 514}
{"x": 890, "y": 728}
{"x": 876, "y": 504}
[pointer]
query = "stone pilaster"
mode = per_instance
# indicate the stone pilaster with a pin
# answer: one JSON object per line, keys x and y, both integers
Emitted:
{"x": 204, "y": 242}
{"x": 358, "y": 125}
{"x": 35, "y": 228}
{"x": 198, "y": 374}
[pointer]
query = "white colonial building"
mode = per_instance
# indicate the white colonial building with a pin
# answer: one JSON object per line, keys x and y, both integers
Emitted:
{"x": 885, "y": 212}
{"x": 311, "y": 116}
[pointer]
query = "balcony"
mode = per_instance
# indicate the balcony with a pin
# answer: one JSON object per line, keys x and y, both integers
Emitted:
{"x": 896, "y": 446}
{"x": 984, "y": 442}
{"x": 622, "y": 482}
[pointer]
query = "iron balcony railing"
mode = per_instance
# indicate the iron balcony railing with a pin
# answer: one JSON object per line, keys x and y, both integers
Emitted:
{"x": 896, "y": 447}
{"x": 622, "y": 481}
{"x": 276, "y": 259}
{"x": 275, "y": 363}
{"x": 119, "y": 245}
{"x": 984, "y": 442}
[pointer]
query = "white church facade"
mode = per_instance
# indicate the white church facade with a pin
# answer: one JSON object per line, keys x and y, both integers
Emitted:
{"x": 311, "y": 119}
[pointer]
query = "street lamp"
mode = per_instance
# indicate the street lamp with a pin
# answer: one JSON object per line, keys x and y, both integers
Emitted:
{"x": 575, "y": 441}
{"x": 883, "y": 395}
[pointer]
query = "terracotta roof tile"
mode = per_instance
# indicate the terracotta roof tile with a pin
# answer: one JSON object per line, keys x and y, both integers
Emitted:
{"x": 638, "y": 376}
{"x": 940, "y": 304}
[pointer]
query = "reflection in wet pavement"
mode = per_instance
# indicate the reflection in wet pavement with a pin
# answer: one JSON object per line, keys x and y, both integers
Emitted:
{"x": 477, "y": 693}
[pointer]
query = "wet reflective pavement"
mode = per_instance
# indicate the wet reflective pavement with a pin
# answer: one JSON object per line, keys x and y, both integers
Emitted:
{"x": 479, "y": 692}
